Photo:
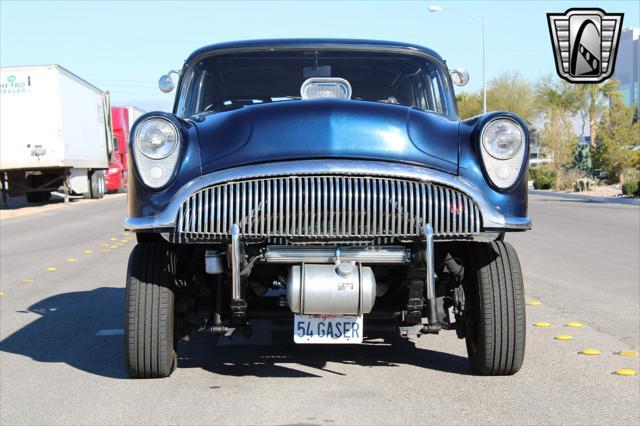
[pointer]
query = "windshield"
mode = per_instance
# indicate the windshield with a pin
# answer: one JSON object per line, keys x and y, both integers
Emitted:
{"x": 229, "y": 81}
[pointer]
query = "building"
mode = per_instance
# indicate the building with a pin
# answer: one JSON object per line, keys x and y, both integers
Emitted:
{"x": 627, "y": 70}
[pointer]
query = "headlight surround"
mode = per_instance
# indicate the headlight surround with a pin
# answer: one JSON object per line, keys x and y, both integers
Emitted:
{"x": 503, "y": 148}
{"x": 156, "y": 140}
{"x": 502, "y": 138}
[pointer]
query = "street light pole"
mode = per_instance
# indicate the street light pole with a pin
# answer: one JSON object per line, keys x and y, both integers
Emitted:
{"x": 434, "y": 9}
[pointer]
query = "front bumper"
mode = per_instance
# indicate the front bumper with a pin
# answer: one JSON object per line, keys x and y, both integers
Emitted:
{"x": 493, "y": 220}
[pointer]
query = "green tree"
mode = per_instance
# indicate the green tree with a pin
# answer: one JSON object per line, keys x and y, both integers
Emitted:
{"x": 593, "y": 99}
{"x": 557, "y": 101}
{"x": 619, "y": 132}
{"x": 469, "y": 104}
{"x": 511, "y": 92}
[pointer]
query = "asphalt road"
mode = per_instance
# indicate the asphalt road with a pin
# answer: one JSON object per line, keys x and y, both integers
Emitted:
{"x": 61, "y": 359}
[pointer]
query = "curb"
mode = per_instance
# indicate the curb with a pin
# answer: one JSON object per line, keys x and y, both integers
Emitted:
{"x": 588, "y": 198}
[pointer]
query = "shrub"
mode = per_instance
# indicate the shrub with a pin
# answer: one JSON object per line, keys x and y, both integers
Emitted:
{"x": 630, "y": 188}
{"x": 568, "y": 178}
{"x": 582, "y": 159}
{"x": 543, "y": 182}
{"x": 584, "y": 184}
{"x": 637, "y": 194}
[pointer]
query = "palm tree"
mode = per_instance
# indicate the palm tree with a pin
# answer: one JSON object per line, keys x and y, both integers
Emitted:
{"x": 558, "y": 101}
{"x": 592, "y": 97}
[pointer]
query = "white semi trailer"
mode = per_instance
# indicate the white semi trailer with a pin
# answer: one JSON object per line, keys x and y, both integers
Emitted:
{"x": 55, "y": 132}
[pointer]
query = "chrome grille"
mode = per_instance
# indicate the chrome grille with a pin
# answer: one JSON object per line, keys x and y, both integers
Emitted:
{"x": 327, "y": 207}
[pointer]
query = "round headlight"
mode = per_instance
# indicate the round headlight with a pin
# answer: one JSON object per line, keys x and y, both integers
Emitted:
{"x": 502, "y": 138}
{"x": 157, "y": 138}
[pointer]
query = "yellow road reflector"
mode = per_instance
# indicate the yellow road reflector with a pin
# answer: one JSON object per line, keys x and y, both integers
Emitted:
{"x": 124, "y": 241}
{"x": 534, "y": 303}
{"x": 113, "y": 239}
{"x": 72, "y": 259}
{"x": 542, "y": 324}
{"x": 628, "y": 353}
{"x": 52, "y": 268}
{"x": 105, "y": 250}
{"x": 26, "y": 280}
{"x": 87, "y": 251}
{"x": 114, "y": 246}
{"x": 625, "y": 372}
{"x": 563, "y": 337}
{"x": 1, "y": 293}
{"x": 574, "y": 324}
{"x": 104, "y": 245}
{"x": 125, "y": 234}
{"x": 589, "y": 352}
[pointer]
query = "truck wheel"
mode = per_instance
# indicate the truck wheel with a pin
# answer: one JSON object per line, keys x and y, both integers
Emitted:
{"x": 97, "y": 184}
{"x": 495, "y": 314}
{"x": 149, "y": 317}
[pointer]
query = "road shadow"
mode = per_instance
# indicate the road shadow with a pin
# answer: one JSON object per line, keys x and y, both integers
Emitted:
{"x": 16, "y": 203}
{"x": 65, "y": 331}
{"x": 67, "y": 323}
{"x": 282, "y": 357}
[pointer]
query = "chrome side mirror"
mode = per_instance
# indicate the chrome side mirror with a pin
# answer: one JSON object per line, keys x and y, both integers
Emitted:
{"x": 166, "y": 83}
{"x": 459, "y": 76}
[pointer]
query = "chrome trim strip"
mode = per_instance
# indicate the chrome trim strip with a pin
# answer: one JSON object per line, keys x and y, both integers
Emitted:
{"x": 492, "y": 218}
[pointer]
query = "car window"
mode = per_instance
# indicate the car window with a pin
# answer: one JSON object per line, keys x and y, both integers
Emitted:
{"x": 224, "y": 82}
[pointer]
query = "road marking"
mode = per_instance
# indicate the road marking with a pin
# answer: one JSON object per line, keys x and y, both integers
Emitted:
{"x": 563, "y": 337}
{"x": 114, "y": 246}
{"x": 589, "y": 352}
{"x": 627, "y": 353}
{"x": 72, "y": 259}
{"x": 124, "y": 241}
{"x": 26, "y": 281}
{"x": 113, "y": 239}
{"x": 87, "y": 251}
{"x": 105, "y": 250}
{"x": 574, "y": 324}
{"x": 534, "y": 303}
{"x": 52, "y": 268}
{"x": 110, "y": 332}
{"x": 542, "y": 324}
{"x": 1, "y": 293}
{"x": 625, "y": 372}
{"x": 104, "y": 245}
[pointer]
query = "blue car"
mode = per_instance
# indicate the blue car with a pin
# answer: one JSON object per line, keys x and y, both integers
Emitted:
{"x": 324, "y": 182}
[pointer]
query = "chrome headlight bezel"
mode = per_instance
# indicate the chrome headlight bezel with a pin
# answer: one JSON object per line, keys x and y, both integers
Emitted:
{"x": 156, "y": 171}
{"x": 503, "y": 171}
{"x": 150, "y": 122}
{"x": 487, "y": 145}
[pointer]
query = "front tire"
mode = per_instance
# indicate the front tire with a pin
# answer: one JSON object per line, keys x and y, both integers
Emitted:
{"x": 495, "y": 323}
{"x": 149, "y": 317}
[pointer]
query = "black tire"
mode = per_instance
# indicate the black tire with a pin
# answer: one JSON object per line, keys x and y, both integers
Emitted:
{"x": 149, "y": 318}
{"x": 96, "y": 184}
{"x": 38, "y": 196}
{"x": 495, "y": 323}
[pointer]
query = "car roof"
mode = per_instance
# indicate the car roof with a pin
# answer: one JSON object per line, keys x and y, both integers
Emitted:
{"x": 319, "y": 43}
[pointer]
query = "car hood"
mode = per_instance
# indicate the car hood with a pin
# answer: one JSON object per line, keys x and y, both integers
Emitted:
{"x": 327, "y": 128}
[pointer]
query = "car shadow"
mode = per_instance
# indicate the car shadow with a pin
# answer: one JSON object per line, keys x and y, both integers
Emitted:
{"x": 66, "y": 331}
{"x": 283, "y": 358}
{"x": 84, "y": 330}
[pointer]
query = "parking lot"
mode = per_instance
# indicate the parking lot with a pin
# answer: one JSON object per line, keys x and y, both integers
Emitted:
{"x": 61, "y": 351}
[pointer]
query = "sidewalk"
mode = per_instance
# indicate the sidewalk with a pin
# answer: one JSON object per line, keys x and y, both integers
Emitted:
{"x": 588, "y": 198}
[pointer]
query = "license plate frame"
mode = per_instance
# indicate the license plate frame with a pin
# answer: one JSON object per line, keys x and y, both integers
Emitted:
{"x": 327, "y": 329}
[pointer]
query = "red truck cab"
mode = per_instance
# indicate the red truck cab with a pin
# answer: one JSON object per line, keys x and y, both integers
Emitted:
{"x": 116, "y": 176}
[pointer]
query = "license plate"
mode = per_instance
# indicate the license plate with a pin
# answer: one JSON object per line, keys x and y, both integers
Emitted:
{"x": 327, "y": 328}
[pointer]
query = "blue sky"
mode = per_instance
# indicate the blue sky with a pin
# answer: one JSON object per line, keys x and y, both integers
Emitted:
{"x": 124, "y": 47}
